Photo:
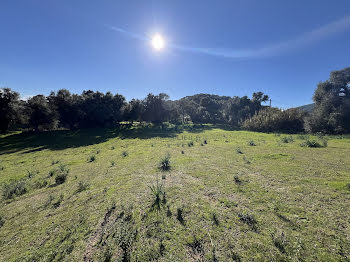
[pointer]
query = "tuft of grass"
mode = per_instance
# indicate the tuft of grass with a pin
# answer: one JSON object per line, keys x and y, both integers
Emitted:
{"x": 98, "y": 151}
{"x": 251, "y": 143}
{"x": 248, "y": 219}
{"x": 179, "y": 216}
{"x": 315, "y": 143}
{"x": 190, "y": 144}
{"x": 52, "y": 172}
{"x": 61, "y": 175}
{"x": 164, "y": 164}
{"x": 40, "y": 184}
{"x": 205, "y": 142}
{"x": 215, "y": 219}
{"x": 91, "y": 158}
{"x": 182, "y": 152}
{"x": 125, "y": 154}
{"x": 280, "y": 241}
{"x": 287, "y": 139}
{"x": 32, "y": 173}
{"x": 238, "y": 181}
{"x": 238, "y": 150}
{"x": 112, "y": 163}
{"x": 53, "y": 162}
{"x": 58, "y": 202}
{"x": 82, "y": 186}
{"x": 158, "y": 193}
{"x": 2, "y": 221}
{"x": 13, "y": 189}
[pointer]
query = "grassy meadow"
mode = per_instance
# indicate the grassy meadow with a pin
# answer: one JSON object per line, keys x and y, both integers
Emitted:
{"x": 167, "y": 194}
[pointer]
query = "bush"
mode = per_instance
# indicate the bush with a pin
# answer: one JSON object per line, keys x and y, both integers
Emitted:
{"x": 91, "y": 158}
{"x": 287, "y": 139}
{"x": 82, "y": 187}
{"x": 314, "y": 143}
{"x": 276, "y": 120}
{"x": 251, "y": 143}
{"x": 164, "y": 163}
{"x": 62, "y": 174}
{"x": 14, "y": 188}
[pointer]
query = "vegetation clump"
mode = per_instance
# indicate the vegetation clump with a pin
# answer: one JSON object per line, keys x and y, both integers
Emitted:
{"x": 287, "y": 139}
{"x": 125, "y": 154}
{"x": 190, "y": 144}
{"x": 91, "y": 158}
{"x": 251, "y": 143}
{"x": 13, "y": 189}
{"x": 61, "y": 175}
{"x": 248, "y": 219}
{"x": 165, "y": 164}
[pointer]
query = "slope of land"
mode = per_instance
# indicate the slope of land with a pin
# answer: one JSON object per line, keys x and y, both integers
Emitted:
{"x": 232, "y": 196}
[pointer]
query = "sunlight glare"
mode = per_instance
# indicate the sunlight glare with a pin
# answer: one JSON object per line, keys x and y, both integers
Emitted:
{"x": 158, "y": 42}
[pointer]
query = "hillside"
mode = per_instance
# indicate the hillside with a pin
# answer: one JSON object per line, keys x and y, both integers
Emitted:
{"x": 228, "y": 196}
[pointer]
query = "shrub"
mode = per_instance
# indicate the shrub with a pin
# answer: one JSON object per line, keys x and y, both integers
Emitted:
{"x": 190, "y": 143}
{"x": 52, "y": 172}
{"x": 249, "y": 219}
{"x": 82, "y": 186}
{"x": 62, "y": 174}
{"x": 32, "y": 173}
{"x": 14, "y": 188}
{"x": 112, "y": 163}
{"x": 125, "y": 154}
{"x": 276, "y": 120}
{"x": 287, "y": 139}
{"x": 2, "y": 221}
{"x": 251, "y": 143}
{"x": 159, "y": 194}
{"x": 164, "y": 163}
{"x": 91, "y": 158}
{"x": 314, "y": 143}
{"x": 239, "y": 151}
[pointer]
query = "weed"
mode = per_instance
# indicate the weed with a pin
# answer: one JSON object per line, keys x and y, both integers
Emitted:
{"x": 159, "y": 195}
{"x": 179, "y": 216}
{"x": 62, "y": 174}
{"x": 215, "y": 219}
{"x": 168, "y": 212}
{"x": 238, "y": 181}
{"x": 197, "y": 247}
{"x": 91, "y": 158}
{"x": 279, "y": 240}
{"x": 2, "y": 221}
{"x": 58, "y": 202}
{"x": 125, "y": 154}
{"x": 98, "y": 151}
{"x": 14, "y": 188}
{"x": 287, "y": 139}
{"x": 40, "y": 184}
{"x": 182, "y": 152}
{"x": 49, "y": 201}
{"x": 53, "y": 162}
{"x": 164, "y": 164}
{"x": 314, "y": 143}
{"x": 190, "y": 144}
{"x": 82, "y": 186}
{"x": 251, "y": 143}
{"x": 238, "y": 150}
{"x": 2, "y": 168}
{"x": 32, "y": 173}
{"x": 249, "y": 219}
{"x": 52, "y": 172}
{"x": 112, "y": 147}
{"x": 205, "y": 142}
{"x": 112, "y": 163}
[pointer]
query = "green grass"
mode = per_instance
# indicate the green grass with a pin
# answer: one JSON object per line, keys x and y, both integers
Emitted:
{"x": 276, "y": 202}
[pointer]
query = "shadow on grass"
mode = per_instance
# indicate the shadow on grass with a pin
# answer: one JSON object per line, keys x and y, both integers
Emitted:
{"x": 29, "y": 142}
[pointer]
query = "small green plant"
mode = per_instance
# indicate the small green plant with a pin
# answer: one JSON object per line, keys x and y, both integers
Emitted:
{"x": 112, "y": 147}
{"x": 32, "y": 173}
{"x": 164, "y": 164}
{"x": 40, "y": 184}
{"x": 52, "y": 172}
{"x": 215, "y": 219}
{"x": 2, "y": 221}
{"x": 57, "y": 203}
{"x": 112, "y": 163}
{"x": 158, "y": 193}
{"x": 248, "y": 219}
{"x": 53, "y": 162}
{"x": 315, "y": 143}
{"x": 14, "y": 188}
{"x": 251, "y": 143}
{"x": 2, "y": 168}
{"x": 125, "y": 154}
{"x": 91, "y": 158}
{"x": 182, "y": 152}
{"x": 190, "y": 144}
{"x": 61, "y": 175}
{"x": 205, "y": 142}
{"x": 98, "y": 151}
{"x": 238, "y": 181}
{"x": 179, "y": 216}
{"x": 280, "y": 241}
{"x": 238, "y": 150}
{"x": 287, "y": 139}
{"x": 82, "y": 186}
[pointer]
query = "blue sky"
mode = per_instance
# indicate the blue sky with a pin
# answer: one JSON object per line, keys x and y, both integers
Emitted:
{"x": 226, "y": 47}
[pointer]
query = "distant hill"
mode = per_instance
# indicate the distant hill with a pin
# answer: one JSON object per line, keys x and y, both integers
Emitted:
{"x": 307, "y": 108}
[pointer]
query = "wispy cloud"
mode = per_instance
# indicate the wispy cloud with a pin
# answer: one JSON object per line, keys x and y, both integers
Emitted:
{"x": 279, "y": 48}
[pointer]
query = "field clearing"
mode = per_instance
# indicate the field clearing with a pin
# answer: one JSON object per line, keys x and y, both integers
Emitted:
{"x": 226, "y": 198}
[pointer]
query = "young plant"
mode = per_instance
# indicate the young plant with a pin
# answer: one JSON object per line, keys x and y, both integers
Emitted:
{"x": 82, "y": 186}
{"x": 164, "y": 164}
{"x": 14, "y": 188}
{"x": 91, "y": 158}
{"x": 158, "y": 193}
{"x": 125, "y": 154}
{"x": 251, "y": 143}
{"x": 238, "y": 150}
{"x": 189, "y": 144}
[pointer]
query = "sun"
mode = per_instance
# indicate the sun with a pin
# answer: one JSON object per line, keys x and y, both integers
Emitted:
{"x": 158, "y": 42}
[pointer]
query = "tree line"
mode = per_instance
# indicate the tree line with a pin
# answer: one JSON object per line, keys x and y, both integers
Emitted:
{"x": 62, "y": 109}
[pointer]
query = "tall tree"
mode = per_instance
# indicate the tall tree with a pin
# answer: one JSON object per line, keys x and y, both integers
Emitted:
{"x": 9, "y": 108}
{"x": 41, "y": 114}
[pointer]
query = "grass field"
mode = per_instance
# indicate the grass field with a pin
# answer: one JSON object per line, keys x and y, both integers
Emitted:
{"x": 99, "y": 195}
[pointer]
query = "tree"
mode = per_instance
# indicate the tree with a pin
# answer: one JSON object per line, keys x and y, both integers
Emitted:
{"x": 332, "y": 105}
{"x": 9, "y": 108}
{"x": 41, "y": 114}
{"x": 155, "y": 108}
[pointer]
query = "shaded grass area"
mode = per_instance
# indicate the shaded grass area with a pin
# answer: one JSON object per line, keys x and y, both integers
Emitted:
{"x": 274, "y": 201}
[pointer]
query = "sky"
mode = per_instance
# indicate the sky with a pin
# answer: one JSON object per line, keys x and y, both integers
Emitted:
{"x": 224, "y": 47}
